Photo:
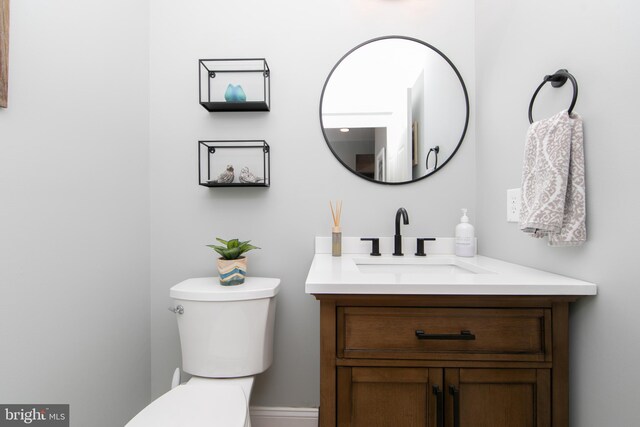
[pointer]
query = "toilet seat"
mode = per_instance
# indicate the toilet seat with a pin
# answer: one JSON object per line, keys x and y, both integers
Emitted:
{"x": 195, "y": 406}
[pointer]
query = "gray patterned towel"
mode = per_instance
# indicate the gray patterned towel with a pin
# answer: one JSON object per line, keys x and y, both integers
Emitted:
{"x": 553, "y": 188}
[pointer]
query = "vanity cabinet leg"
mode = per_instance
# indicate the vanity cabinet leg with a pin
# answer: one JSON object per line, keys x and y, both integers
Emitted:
{"x": 560, "y": 371}
{"x": 327, "y": 411}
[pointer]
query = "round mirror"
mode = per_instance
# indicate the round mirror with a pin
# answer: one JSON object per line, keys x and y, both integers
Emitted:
{"x": 394, "y": 110}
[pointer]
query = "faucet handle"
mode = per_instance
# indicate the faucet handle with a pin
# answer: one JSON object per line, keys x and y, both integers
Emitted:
{"x": 375, "y": 245}
{"x": 420, "y": 245}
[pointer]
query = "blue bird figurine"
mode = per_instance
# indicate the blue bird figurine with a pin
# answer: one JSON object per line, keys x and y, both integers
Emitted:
{"x": 235, "y": 94}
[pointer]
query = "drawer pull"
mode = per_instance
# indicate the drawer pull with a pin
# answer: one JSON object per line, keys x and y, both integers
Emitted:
{"x": 463, "y": 336}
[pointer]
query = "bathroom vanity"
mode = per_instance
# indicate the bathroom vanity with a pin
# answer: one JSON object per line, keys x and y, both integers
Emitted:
{"x": 440, "y": 341}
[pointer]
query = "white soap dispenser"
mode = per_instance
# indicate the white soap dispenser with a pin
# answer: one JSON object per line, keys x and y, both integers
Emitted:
{"x": 465, "y": 237}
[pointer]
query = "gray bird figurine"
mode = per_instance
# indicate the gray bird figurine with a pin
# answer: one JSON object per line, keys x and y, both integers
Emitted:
{"x": 225, "y": 177}
{"x": 247, "y": 177}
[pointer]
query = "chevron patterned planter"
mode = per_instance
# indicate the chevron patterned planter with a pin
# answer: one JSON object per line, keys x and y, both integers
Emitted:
{"x": 232, "y": 271}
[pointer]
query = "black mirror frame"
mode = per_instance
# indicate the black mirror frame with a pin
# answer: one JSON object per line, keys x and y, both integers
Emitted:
{"x": 464, "y": 89}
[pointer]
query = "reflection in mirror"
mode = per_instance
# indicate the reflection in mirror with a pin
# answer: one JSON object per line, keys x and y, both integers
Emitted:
{"x": 394, "y": 110}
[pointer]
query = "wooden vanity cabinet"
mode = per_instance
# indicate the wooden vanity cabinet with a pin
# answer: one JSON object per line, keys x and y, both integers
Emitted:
{"x": 443, "y": 361}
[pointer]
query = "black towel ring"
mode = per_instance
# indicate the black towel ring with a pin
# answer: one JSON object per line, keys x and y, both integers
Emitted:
{"x": 557, "y": 80}
{"x": 435, "y": 150}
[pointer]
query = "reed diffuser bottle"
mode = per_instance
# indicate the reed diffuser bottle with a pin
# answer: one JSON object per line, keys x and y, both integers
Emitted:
{"x": 336, "y": 231}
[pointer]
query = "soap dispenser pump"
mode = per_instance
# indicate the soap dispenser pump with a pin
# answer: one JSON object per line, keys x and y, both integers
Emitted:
{"x": 465, "y": 237}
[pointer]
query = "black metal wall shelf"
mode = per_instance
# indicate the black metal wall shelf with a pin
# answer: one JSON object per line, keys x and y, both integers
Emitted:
{"x": 235, "y": 84}
{"x": 237, "y": 163}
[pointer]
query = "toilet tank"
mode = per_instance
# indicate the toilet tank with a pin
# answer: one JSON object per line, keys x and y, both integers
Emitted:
{"x": 226, "y": 331}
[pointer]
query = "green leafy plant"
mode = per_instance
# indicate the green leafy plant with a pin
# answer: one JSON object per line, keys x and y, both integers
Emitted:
{"x": 233, "y": 248}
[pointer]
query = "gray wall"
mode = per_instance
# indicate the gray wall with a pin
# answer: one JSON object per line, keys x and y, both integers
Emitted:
{"x": 517, "y": 43}
{"x": 74, "y": 233}
{"x": 301, "y": 41}
{"x": 75, "y": 171}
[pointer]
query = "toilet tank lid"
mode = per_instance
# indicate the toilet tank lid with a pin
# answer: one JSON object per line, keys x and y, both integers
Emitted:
{"x": 210, "y": 289}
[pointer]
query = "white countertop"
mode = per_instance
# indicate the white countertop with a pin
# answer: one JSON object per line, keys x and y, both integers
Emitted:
{"x": 360, "y": 273}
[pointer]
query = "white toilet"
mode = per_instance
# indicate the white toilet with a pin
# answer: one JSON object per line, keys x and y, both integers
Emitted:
{"x": 226, "y": 335}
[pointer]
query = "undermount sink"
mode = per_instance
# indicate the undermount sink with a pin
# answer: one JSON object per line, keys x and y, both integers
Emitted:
{"x": 410, "y": 265}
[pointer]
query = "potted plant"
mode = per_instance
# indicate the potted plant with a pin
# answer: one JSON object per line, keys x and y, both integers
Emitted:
{"x": 232, "y": 266}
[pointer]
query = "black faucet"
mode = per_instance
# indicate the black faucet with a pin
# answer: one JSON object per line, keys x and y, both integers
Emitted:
{"x": 397, "y": 238}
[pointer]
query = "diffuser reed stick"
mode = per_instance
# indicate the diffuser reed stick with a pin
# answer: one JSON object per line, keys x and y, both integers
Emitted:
{"x": 336, "y": 214}
{"x": 336, "y": 232}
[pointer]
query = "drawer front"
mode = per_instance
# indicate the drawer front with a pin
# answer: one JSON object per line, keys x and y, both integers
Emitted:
{"x": 445, "y": 333}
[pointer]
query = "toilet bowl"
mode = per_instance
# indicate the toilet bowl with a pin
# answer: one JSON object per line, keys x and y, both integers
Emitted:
{"x": 226, "y": 337}
{"x": 201, "y": 402}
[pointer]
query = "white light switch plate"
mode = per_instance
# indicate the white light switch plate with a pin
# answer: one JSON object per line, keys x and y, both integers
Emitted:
{"x": 513, "y": 205}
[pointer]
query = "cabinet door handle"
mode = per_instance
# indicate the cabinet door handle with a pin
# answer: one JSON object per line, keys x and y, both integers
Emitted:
{"x": 439, "y": 406}
{"x": 463, "y": 336}
{"x": 453, "y": 391}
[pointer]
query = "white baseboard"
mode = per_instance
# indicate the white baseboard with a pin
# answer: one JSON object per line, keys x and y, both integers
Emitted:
{"x": 264, "y": 416}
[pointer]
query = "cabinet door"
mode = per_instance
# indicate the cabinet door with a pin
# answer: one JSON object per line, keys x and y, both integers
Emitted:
{"x": 390, "y": 397}
{"x": 498, "y": 398}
